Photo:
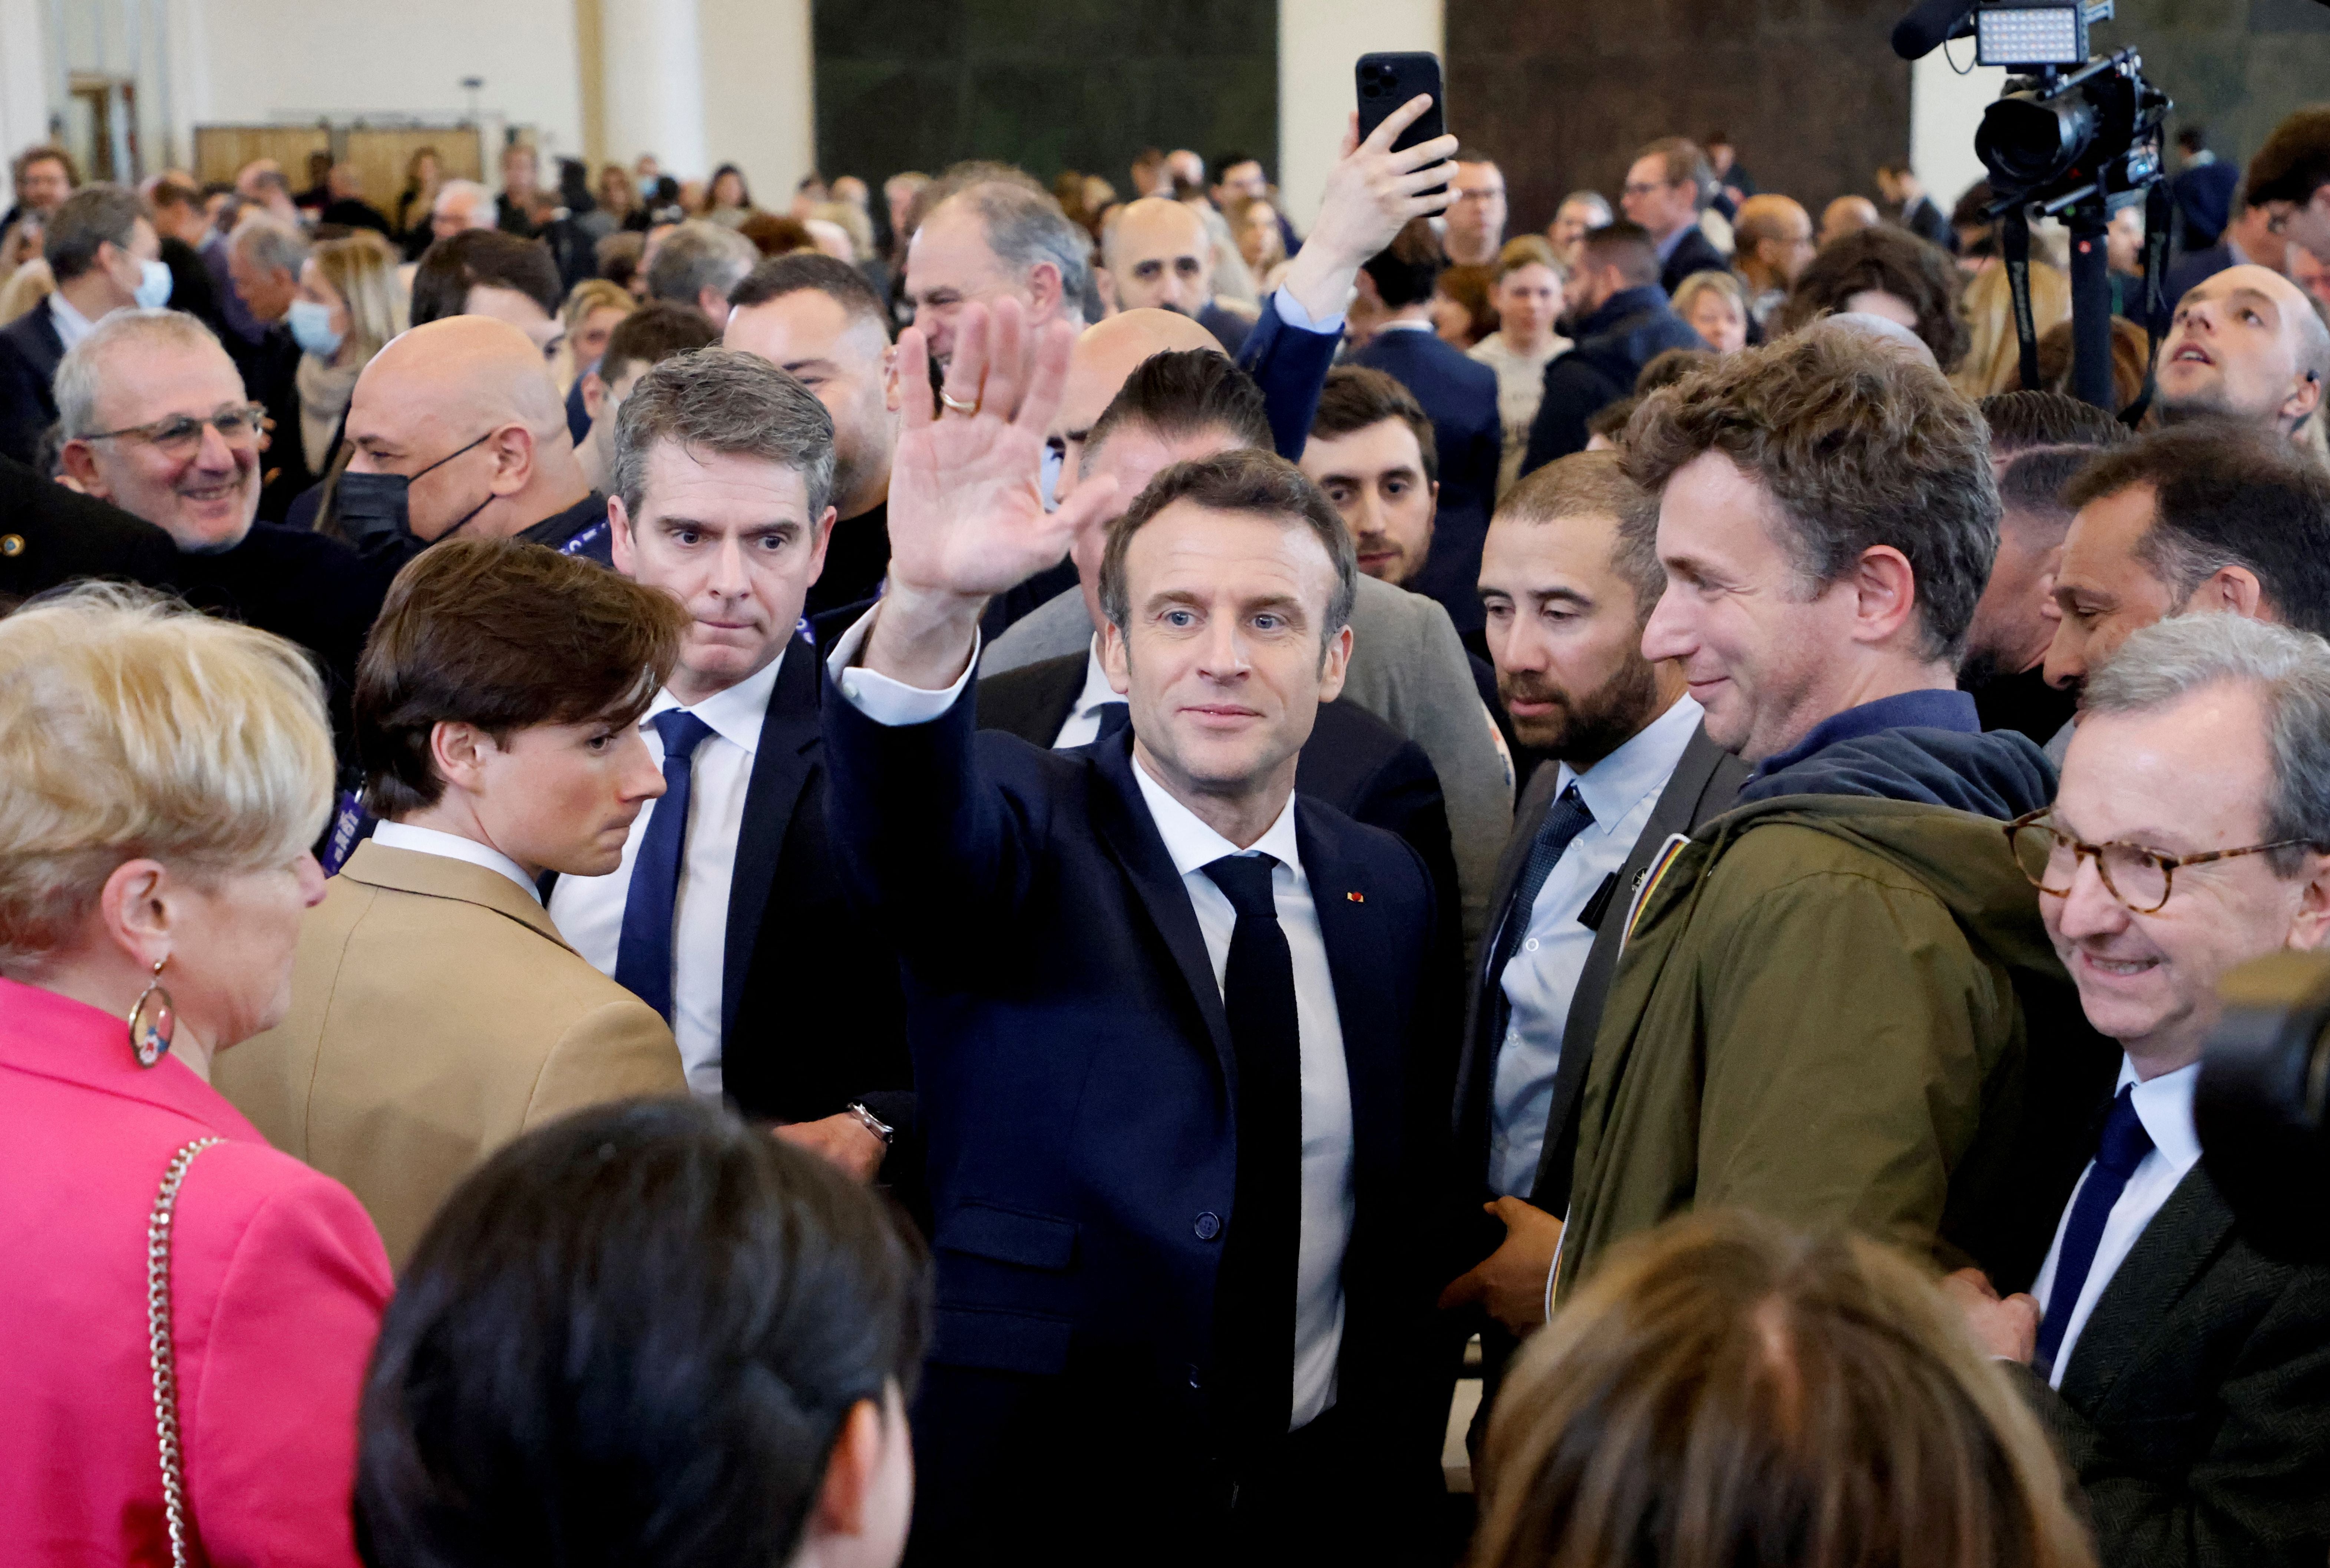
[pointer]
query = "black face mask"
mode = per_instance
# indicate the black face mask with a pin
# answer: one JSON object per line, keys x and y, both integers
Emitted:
{"x": 372, "y": 508}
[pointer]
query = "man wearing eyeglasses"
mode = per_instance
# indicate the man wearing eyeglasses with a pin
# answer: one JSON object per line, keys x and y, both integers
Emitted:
{"x": 2184, "y": 1374}
{"x": 1666, "y": 186}
{"x": 156, "y": 421}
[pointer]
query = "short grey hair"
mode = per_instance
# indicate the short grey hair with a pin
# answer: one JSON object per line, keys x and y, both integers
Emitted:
{"x": 1593, "y": 199}
{"x": 723, "y": 399}
{"x": 475, "y": 193}
{"x": 1026, "y": 227}
{"x": 698, "y": 255}
{"x": 2291, "y": 671}
{"x": 92, "y": 216}
{"x": 80, "y": 377}
{"x": 271, "y": 244}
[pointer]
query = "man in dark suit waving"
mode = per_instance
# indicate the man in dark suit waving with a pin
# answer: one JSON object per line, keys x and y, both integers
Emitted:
{"x": 727, "y": 895}
{"x": 1178, "y": 1038}
{"x": 2185, "y": 1374}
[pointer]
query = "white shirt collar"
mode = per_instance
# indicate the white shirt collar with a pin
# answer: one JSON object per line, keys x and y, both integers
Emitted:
{"x": 1618, "y": 783}
{"x": 71, "y": 323}
{"x": 1407, "y": 326}
{"x": 452, "y": 846}
{"x": 1097, "y": 692}
{"x": 2164, "y": 1106}
{"x": 1194, "y": 845}
{"x": 736, "y": 716}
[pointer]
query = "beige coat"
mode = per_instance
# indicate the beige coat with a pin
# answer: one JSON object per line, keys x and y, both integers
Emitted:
{"x": 436, "y": 1014}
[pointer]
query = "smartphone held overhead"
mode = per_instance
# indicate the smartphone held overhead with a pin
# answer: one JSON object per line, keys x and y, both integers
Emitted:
{"x": 1388, "y": 81}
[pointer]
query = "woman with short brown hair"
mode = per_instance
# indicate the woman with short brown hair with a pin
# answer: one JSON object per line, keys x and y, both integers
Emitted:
{"x": 1725, "y": 1391}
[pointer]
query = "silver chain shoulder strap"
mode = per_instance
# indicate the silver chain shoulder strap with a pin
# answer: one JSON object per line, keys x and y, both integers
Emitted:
{"x": 158, "y": 1346}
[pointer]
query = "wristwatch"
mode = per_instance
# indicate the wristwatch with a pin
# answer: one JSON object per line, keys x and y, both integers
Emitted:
{"x": 873, "y": 1123}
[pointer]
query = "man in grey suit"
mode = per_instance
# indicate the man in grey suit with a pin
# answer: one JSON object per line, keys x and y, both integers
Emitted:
{"x": 1568, "y": 576}
{"x": 2186, "y": 1374}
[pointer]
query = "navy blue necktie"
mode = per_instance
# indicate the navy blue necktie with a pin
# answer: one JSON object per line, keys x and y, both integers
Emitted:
{"x": 2124, "y": 1144}
{"x": 643, "y": 955}
{"x": 1254, "y": 1298}
{"x": 1567, "y": 819}
{"x": 1114, "y": 718}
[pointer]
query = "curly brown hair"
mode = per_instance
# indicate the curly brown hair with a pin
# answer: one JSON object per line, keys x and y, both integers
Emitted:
{"x": 1861, "y": 444}
{"x": 1920, "y": 275}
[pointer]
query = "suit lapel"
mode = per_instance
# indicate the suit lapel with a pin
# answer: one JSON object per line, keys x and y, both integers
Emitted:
{"x": 1681, "y": 806}
{"x": 1361, "y": 962}
{"x": 2187, "y": 1235}
{"x": 782, "y": 763}
{"x": 1121, "y": 818}
{"x": 1034, "y": 701}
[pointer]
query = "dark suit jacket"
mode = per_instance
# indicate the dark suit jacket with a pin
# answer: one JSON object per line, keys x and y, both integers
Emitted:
{"x": 1704, "y": 785}
{"x": 30, "y": 351}
{"x": 1460, "y": 394}
{"x": 1290, "y": 367}
{"x": 1353, "y": 762}
{"x": 1076, "y": 1072}
{"x": 1694, "y": 252}
{"x": 51, "y": 536}
{"x": 2196, "y": 1408}
{"x": 810, "y": 1013}
{"x": 190, "y": 284}
{"x": 1924, "y": 218}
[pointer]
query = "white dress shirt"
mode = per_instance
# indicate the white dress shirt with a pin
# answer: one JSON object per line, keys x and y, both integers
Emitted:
{"x": 71, "y": 323}
{"x": 453, "y": 846}
{"x": 589, "y": 910}
{"x": 1621, "y": 790}
{"x": 1327, "y": 1131}
{"x": 1083, "y": 725}
{"x": 2164, "y": 1106}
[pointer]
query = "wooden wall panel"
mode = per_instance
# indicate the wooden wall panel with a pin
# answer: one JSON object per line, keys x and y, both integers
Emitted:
{"x": 380, "y": 157}
{"x": 220, "y": 149}
{"x": 1562, "y": 94}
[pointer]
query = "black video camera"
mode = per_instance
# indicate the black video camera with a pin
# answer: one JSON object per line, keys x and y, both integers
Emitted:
{"x": 2073, "y": 138}
{"x": 2262, "y": 1107}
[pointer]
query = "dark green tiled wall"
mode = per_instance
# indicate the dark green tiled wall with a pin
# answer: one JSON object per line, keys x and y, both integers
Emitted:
{"x": 2236, "y": 66}
{"x": 1047, "y": 84}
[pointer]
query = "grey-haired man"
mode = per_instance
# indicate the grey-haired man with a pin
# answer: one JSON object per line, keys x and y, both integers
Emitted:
{"x": 726, "y": 914}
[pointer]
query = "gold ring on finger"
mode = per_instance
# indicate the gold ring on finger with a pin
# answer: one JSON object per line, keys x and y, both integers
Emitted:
{"x": 956, "y": 405}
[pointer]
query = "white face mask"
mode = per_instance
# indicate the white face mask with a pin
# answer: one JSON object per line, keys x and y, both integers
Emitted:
{"x": 311, "y": 328}
{"x": 153, "y": 285}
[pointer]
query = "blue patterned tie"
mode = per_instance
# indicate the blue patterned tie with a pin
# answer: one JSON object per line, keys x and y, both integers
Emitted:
{"x": 643, "y": 955}
{"x": 2124, "y": 1144}
{"x": 1568, "y": 819}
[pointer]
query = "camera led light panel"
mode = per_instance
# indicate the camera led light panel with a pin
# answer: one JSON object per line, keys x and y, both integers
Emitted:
{"x": 2030, "y": 35}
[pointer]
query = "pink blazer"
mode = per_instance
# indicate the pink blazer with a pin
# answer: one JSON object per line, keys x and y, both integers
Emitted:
{"x": 278, "y": 1282}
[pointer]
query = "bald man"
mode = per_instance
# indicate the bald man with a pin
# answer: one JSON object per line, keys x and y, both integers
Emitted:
{"x": 1407, "y": 668}
{"x": 1156, "y": 253}
{"x": 2247, "y": 344}
{"x": 1847, "y": 215}
{"x": 1773, "y": 236}
{"x": 457, "y": 428}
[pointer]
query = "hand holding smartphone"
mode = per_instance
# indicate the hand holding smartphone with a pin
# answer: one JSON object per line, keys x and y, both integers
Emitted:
{"x": 1386, "y": 81}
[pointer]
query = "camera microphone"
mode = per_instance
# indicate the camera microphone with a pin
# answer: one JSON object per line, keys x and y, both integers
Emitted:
{"x": 1934, "y": 23}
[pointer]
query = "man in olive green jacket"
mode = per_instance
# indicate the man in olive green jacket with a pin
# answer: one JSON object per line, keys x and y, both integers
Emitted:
{"x": 1840, "y": 1011}
{"x": 1838, "y": 1006}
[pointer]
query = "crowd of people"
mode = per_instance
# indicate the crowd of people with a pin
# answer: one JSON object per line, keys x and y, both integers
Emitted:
{"x": 992, "y": 876}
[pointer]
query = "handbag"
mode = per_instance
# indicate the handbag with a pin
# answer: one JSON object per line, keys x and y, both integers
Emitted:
{"x": 158, "y": 1346}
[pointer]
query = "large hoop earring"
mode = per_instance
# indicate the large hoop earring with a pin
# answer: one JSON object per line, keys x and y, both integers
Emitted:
{"x": 153, "y": 1020}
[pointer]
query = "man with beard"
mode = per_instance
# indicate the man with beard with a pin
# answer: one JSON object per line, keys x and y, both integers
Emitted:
{"x": 1569, "y": 576}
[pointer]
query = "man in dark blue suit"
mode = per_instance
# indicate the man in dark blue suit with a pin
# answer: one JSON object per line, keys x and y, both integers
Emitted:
{"x": 727, "y": 895}
{"x": 1182, "y": 1043}
{"x": 1460, "y": 395}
